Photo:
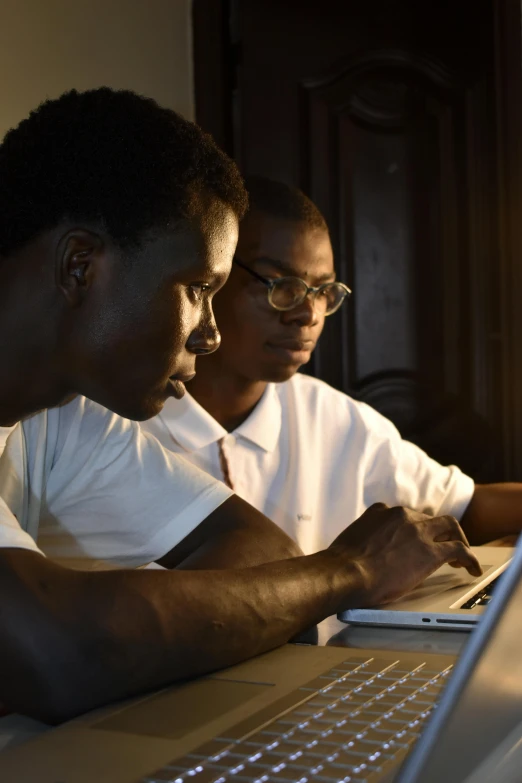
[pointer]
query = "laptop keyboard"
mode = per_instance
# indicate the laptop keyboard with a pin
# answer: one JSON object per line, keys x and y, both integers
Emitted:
{"x": 353, "y": 723}
{"x": 483, "y": 597}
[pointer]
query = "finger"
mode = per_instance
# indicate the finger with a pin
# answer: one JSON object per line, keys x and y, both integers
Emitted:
{"x": 458, "y": 551}
{"x": 408, "y": 513}
{"x": 377, "y": 507}
{"x": 447, "y": 528}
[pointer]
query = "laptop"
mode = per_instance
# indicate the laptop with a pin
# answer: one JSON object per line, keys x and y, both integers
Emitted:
{"x": 306, "y": 714}
{"x": 449, "y": 599}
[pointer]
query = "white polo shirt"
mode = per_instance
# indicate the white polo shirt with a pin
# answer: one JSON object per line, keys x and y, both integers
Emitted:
{"x": 89, "y": 489}
{"x": 313, "y": 459}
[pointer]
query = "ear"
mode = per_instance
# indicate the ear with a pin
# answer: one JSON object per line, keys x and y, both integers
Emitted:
{"x": 78, "y": 256}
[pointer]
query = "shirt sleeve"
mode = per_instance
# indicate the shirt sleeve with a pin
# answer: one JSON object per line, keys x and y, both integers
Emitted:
{"x": 114, "y": 494}
{"x": 400, "y": 473}
{"x": 11, "y": 534}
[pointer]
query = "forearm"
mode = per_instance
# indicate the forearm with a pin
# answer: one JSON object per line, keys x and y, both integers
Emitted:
{"x": 495, "y": 510}
{"x": 72, "y": 641}
{"x": 92, "y": 638}
{"x": 235, "y": 535}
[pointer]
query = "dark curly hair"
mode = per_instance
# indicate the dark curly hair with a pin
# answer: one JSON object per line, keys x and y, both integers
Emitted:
{"x": 283, "y": 201}
{"x": 110, "y": 157}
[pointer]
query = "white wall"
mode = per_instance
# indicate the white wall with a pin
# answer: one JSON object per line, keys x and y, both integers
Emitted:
{"x": 49, "y": 46}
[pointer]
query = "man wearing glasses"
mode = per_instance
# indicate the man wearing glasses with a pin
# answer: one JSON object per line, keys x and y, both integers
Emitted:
{"x": 306, "y": 455}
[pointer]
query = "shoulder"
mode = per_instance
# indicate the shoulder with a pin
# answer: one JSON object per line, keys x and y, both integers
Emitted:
{"x": 305, "y": 387}
{"x": 83, "y": 430}
{"x": 320, "y": 399}
{"x": 89, "y": 418}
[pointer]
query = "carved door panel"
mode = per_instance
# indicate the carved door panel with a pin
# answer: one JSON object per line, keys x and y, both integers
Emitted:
{"x": 384, "y": 113}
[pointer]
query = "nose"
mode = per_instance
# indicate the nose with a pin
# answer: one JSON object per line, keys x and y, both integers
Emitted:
{"x": 205, "y": 338}
{"x": 304, "y": 314}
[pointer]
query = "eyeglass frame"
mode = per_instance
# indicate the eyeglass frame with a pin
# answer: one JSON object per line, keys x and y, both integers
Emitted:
{"x": 271, "y": 283}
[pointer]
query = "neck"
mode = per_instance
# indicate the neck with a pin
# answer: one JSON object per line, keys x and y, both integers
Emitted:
{"x": 228, "y": 397}
{"x": 29, "y": 381}
{"x": 25, "y": 391}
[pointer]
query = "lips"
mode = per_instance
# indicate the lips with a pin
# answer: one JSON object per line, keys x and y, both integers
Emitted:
{"x": 293, "y": 345}
{"x": 176, "y": 384}
{"x": 184, "y": 378}
{"x": 291, "y": 351}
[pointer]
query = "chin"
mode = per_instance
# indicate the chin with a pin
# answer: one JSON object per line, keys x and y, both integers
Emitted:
{"x": 143, "y": 410}
{"x": 135, "y": 409}
{"x": 280, "y": 373}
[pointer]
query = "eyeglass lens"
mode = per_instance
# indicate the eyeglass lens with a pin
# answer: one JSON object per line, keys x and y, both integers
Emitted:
{"x": 290, "y": 292}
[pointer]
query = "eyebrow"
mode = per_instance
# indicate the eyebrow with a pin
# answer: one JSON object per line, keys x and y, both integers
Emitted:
{"x": 287, "y": 270}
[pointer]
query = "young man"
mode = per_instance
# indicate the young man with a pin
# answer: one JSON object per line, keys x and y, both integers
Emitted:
{"x": 118, "y": 223}
{"x": 301, "y": 452}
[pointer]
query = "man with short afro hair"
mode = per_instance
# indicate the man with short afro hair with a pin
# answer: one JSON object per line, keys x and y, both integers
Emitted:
{"x": 62, "y": 161}
{"x": 118, "y": 224}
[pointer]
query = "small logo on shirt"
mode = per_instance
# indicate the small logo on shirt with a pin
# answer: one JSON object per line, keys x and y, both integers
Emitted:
{"x": 304, "y": 517}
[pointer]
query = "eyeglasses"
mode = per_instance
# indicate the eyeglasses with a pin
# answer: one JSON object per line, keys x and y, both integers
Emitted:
{"x": 285, "y": 293}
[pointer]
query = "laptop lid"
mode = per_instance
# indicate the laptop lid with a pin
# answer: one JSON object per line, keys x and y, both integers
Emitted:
{"x": 482, "y": 704}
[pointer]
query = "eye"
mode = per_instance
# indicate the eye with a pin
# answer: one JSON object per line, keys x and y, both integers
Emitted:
{"x": 197, "y": 290}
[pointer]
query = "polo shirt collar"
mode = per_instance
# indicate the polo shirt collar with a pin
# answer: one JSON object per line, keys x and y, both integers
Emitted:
{"x": 194, "y": 428}
{"x": 189, "y": 424}
{"x": 263, "y": 426}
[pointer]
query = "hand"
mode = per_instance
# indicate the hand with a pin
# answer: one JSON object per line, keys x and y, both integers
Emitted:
{"x": 395, "y": 549}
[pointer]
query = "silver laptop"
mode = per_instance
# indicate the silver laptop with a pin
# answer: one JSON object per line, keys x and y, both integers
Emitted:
{"x": 449, "y": 599}
{"x": 306, "y": 714}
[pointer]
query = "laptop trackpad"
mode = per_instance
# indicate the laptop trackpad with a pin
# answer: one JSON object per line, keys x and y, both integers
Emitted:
{"x": 173, "y": 714}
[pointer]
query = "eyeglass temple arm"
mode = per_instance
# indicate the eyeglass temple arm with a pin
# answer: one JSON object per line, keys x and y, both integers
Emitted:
{"x": 251, "y": 271}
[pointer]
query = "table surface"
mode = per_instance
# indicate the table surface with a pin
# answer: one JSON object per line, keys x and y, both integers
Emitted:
{"x": 333, "y": 632}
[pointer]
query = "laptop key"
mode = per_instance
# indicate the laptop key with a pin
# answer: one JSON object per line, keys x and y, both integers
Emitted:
{"x": 184, "y": 764}
{"x": 327, "y": 773}
{"x": 263, "y": 738}
{"x": 268, "y": 759}
{"x": 287, "y": 773}
{"x": 281, "y": 749}
{"x": 377, "y": 735}
{"x": 336, "y": 738}
{"x": 351, "y": 758}
{"x": 379, "y": 665}
{"x": 319, "y": 748}
{"x": 350, "y": 727}
{"x": 293, "y": 737}
{"x": 368, "y": 747}
{"x": 402, "y": 690}
{"x": 407, "y": 737}
{"x": 342, "y": 709}
{"x": 352, "y": 663}
{"x": 169, "y": 776}
{"x": 160, "y": 776}
{"x": 210, "y": 748}
{"x": 371, "y": 688}
{"x": 390, "y": 698}
{"x": 320, "y": 682}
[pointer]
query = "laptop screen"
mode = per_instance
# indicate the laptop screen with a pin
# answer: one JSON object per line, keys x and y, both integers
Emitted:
{"x": 482, "y": 703}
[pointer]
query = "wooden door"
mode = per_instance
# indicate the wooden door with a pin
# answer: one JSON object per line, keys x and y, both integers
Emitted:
{"x": 385, "y": 113}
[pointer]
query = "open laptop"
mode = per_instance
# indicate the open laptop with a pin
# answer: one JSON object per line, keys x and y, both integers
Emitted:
{"x": 305, "y": 714}
{"x": 449, "y": 599}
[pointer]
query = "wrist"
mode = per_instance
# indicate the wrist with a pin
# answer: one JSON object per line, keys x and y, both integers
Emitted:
{"x": 347, "y": 578}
